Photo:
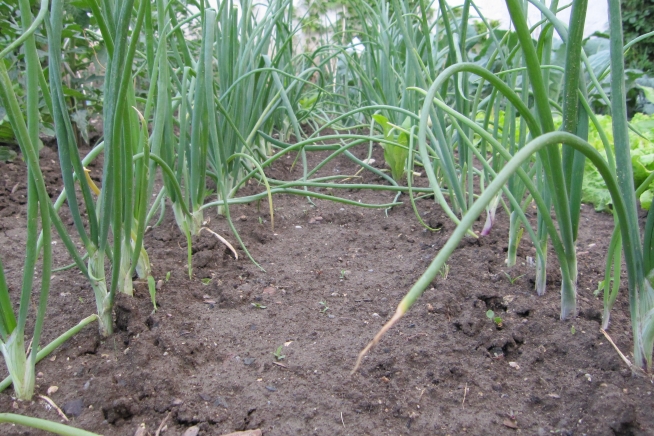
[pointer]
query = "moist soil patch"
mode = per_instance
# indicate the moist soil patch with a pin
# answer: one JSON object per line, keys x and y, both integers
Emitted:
{"x": 333, "y": 275}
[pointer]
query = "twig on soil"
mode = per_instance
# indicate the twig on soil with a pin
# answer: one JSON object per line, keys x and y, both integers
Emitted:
{"x": 161, "y": 426}
{"x": 465, "y": 392}
{"x": 54, "y": 406}
{"x": 223, "y": 240}
{"x": 421, "y": 392}
{"x": 342, "y": 419}
{"x": 624, "y": 358}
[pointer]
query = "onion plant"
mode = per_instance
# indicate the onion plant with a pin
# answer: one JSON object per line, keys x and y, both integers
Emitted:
{"x": 241, "y": 82}
{"x": 558, "y": 164}
{"x": 42, "y": 424}
{"x": 19, "y": 360}
{"x": 122, "y": 199}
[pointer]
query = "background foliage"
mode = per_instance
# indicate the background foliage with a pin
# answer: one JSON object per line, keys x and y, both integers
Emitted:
{"x": 637, "y": 16}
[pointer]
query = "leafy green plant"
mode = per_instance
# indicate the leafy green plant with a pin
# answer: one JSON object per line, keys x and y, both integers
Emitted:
{"x": 258, "y": 306}
{"x": 636, "y": 18}
{"x": 395, "y": 149}
{"x": 641, "y": 141}
{"x": 7, "y": 154}
{"x": 324, "y": 306}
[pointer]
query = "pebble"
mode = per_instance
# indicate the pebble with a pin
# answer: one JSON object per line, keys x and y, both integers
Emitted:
{"x": 192, "y": 431}
{"x": 271, "y": 388}
{"x": 141, "y": 431}
{"x": 177, "y": 402}
{"x": 249, "y": 360}
{"x": 220, "y": 402}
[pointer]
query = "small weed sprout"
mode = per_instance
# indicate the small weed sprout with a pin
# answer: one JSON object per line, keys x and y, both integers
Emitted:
{"x": 444, "y": 271}
{"x": 573, "y": 330}
{"x": 496, "y": 319}
{"x": 600, "y": 288}
{"x": 167, "y": 276}
{"x": 206, "y": 281}
{"x": 325, "y": 308}
{"x": 258, "y": 306}
{"x": 512, "y": 280}
{"x": 278, "y": 353}
{"x": 343, "y": 275}
{"x": 152, "y": 288}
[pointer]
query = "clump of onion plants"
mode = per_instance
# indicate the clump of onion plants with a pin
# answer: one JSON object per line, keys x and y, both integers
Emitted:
{"x": 21, "y": 361}
{"x": 557, "y": 165}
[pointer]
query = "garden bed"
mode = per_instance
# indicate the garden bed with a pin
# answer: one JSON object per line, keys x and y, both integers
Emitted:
{"x": 334, "y": 275}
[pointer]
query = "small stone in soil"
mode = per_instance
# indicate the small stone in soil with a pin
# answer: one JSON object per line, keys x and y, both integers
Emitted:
{"x": 220, "y": 402}
{"x": 73, "y": 408}
{"x": 271, "y": 388}
{"x": 249, "y": 360}
{"x": 192, "y": 431}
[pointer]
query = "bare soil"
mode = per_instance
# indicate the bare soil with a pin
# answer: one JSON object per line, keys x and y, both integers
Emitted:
{"x": 333, "y": 275}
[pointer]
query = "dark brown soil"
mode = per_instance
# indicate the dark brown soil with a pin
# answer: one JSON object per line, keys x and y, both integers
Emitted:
{"x": 205, "y": 358}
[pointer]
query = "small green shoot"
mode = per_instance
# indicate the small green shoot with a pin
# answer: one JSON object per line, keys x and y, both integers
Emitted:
{"x": 206, "y": 280}
{"x": 152, "y": 287}
{"x": 81, "y": 300}
{"x": 258, "y": 306}
{"x": 512, "y": 280}
{"x": 325, "y": 308}
{"x": 496, "y": 319}
{"x": 573, "y": 330}
{"x": 343, "y": 275}
{"x": 278, "y": 353}
{"x": 444, "y": 271}
{"x": 260, "y": 220}
{"x": 167, "y": 276}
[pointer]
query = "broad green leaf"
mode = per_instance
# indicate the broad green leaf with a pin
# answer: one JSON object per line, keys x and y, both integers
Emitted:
{"x": 646, "y": 198}
{"x": 7, "y": 154}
